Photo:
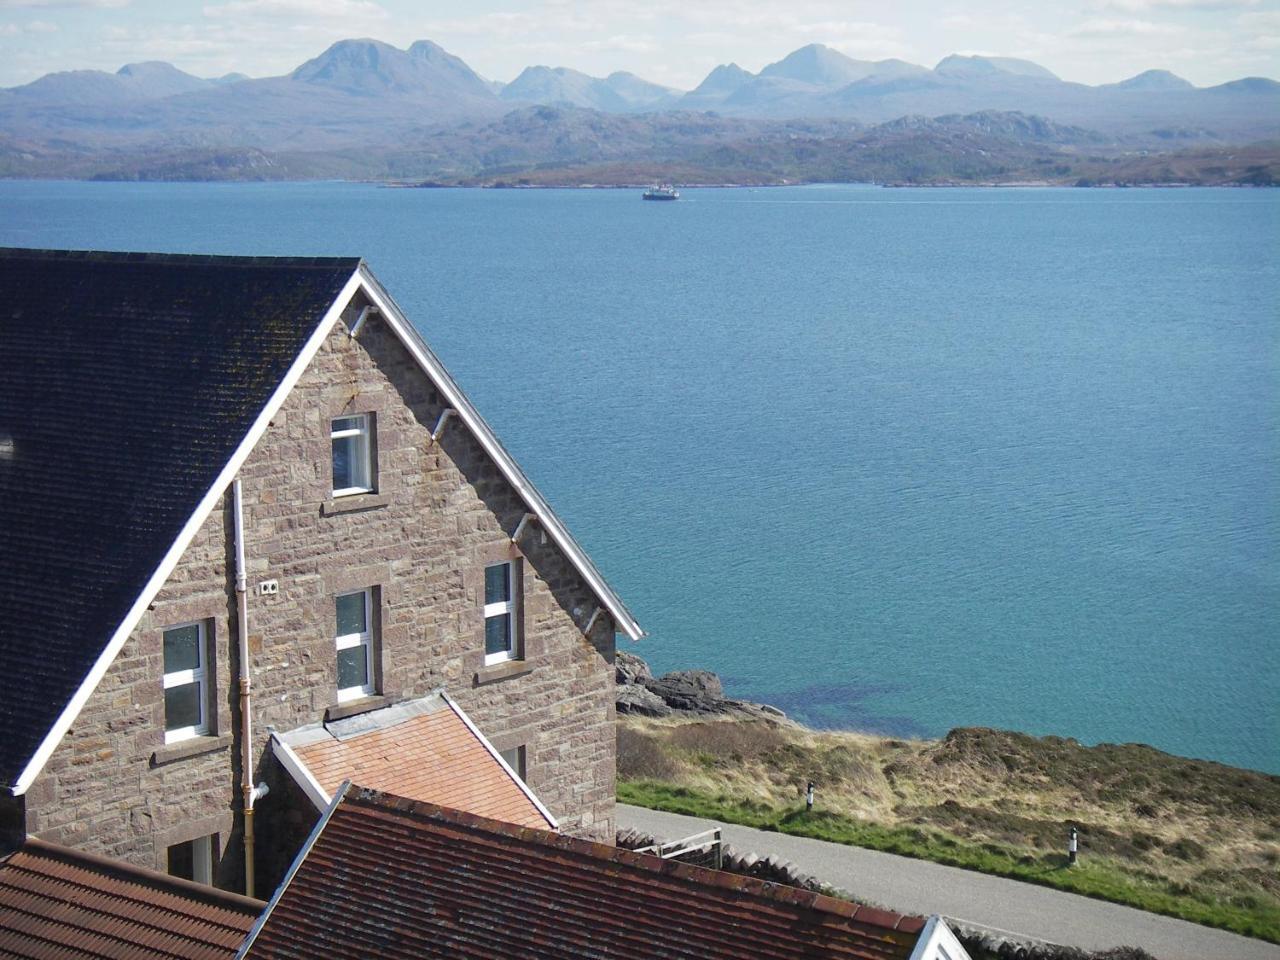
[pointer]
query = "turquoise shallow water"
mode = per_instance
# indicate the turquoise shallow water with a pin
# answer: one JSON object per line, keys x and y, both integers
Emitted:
{"x": 893, "y": 459}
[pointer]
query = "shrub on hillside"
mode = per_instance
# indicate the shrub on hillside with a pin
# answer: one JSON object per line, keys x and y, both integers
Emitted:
{"x": 641, "y": 757}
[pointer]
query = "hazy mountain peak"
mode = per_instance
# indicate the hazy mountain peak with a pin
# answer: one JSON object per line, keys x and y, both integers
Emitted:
{"x": 1263, "y": 85}
{"x": 349, "y": 58}
{"x": 636, "y": 88}
{"x": 620, "y": 92}
{"x": 428, "y": 50}
{"x": 958, "y": 65}
{"x": 820, "y": 65}
{"x": 155, "y": 78}
{"x": 1156, "y": 80}
{"x": 725, "y": 78}
{"x": 373, "y": 68}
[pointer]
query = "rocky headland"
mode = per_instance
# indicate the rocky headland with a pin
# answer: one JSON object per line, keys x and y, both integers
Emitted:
{"x": 1190, "y": 838}
{"x": 689, "y": 693}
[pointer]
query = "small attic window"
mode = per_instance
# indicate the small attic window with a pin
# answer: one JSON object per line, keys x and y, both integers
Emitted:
{"x": 352, "y": 439}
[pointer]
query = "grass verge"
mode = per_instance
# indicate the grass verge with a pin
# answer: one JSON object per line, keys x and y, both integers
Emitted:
{"x": 1096, "y": 878}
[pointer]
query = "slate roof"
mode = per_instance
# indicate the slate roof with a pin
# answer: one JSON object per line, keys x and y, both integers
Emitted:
{"x": 59, "y": 904}
{"x": 392, "y": 878}
{"x": 422, "y": 750}
{"x": 129, "y": 380}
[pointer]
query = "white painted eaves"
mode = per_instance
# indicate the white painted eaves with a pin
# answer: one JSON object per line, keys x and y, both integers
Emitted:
{"x": 170, "y": 560}
{"x": 489, "y": 441}
{"x": 360, "y": 279}
{"x": 301, "y": 773}
{"x": 484, "y": 741}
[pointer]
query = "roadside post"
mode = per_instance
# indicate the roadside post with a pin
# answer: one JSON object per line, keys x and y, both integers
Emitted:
{"x": 1072, "y": 845}
{"x": 808, "y": 798}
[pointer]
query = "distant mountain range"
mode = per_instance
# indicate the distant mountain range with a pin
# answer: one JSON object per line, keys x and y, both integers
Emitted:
{"x": 365, "y": 108}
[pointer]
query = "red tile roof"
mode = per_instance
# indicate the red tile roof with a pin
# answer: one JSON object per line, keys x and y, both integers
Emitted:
{"x": 398, "y": 879}
{"x": 433, "y": 756}
{"x": 59, "y": 904}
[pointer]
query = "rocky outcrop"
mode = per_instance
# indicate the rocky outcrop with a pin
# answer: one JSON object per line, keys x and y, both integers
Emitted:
{"x": 630, "y": 669}
{"x": 682, "y": 692}
{"x": 634, "y": 698}
{"x": 695, "y": 691}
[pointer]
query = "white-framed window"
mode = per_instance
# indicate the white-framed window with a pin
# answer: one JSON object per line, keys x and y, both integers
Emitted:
{"x": 186, "y": 691}
{"x": 352, "y": 454}
{"x": 499, "y": 613}
{"x": 354, "y": 643}
{"x": 193, "y": 859}
{"x": 515, "y": 760}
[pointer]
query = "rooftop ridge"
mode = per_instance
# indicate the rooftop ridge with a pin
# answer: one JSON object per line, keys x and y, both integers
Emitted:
{"x": 124, "y": 870}
{"x": 750, "y": 886}
{"x": 184, "y": 259}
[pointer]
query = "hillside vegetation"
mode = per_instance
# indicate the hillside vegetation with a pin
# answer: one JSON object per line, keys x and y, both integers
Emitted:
{"x": 1184, "y": 837}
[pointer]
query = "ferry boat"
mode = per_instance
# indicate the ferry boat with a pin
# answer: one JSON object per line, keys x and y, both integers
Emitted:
{"x": 663, "y": 192}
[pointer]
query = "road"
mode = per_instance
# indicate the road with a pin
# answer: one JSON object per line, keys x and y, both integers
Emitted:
{"x": 917, "y": 886}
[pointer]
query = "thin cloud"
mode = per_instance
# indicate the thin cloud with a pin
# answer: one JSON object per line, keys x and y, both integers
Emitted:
{"x": 623, "y": 42}
{"x": 1151, "y": 6}
{"x": 63, "y": 4}
{"x": 293, "y": 9}
{"x": 34, "y": 26}
{"x": 1112, "y": 28}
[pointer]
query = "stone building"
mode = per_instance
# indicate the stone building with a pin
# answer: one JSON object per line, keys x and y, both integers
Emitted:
{"x": 240, "y": 497}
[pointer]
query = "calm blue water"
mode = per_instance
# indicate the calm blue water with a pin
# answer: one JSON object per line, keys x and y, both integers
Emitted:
{"x": 892, "y": 459}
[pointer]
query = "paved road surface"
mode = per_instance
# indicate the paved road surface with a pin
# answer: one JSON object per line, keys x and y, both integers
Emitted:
{"x": 916, "y": 886}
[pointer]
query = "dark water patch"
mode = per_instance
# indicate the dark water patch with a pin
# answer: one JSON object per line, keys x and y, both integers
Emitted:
{"x": 844, "y": 706}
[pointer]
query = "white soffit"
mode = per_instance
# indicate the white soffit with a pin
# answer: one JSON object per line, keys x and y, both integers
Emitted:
{"x": 184, "y": 538}
{"x": 455, "y": 398}
{"x": 360, "y": 279}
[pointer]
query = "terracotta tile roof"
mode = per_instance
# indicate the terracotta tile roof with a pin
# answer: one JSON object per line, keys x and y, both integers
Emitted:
{"x": 58, "y": 904}
{"x": 423, "y": 750}
{"x": 392, "y": 878}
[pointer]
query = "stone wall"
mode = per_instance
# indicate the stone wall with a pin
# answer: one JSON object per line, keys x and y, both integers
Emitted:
{"x": 441, "y": 512}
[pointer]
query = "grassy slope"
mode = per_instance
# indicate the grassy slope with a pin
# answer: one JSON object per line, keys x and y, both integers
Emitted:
{"x": 1187, "y": 838}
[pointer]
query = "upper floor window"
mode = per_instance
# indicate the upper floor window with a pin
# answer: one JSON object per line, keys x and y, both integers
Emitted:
{"x": 194, "y": 859}
{"x": 355, "y": 645}
{"x": 186, "y": 699}
{"x": 352, "y": 454}
{"x": 515, "y": 759}
{"x": 500, "y": 641}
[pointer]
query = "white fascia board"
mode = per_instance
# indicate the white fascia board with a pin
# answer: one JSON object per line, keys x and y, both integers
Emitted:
{"x": 184, "y": 538}
{"x": 524, "y": 787}
{"x": 300, "y": 772}
{"x": 455, "y": 398}
{"x": 318, "y": 829}
{"x": 937, "y": 942}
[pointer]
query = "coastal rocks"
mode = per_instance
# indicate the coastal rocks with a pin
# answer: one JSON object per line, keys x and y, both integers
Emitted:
{"x": 639, "y": 700}
{"x": 630, "y": 669}
{"x": 682, "y": 692}
{"x": 695, "y": 691}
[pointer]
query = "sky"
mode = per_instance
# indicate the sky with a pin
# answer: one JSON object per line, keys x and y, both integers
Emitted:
{"x": 675, "y": 42}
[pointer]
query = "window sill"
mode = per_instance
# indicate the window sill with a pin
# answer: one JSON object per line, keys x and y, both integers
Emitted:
{"x": 353, "y": 503}
{"x": 507, "y": 670}
{"x": 185, "y": 749}
{"x": 351, "y": 708}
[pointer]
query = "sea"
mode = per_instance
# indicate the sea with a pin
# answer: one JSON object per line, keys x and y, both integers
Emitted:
{"x": 895, "y": 460}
